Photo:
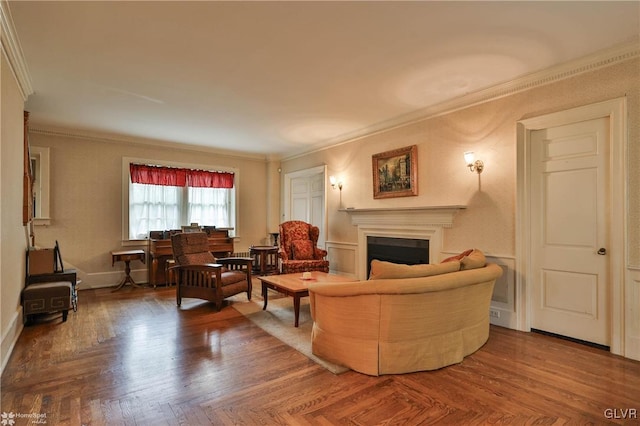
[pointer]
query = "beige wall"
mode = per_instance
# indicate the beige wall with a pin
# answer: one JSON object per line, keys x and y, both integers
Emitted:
{"x": 86, "y": 200}
{"x": 13, "y": 237}
{"x": 488, "y": 129}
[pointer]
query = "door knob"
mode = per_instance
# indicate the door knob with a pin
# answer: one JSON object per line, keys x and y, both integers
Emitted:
{"x": 602, "y": 251}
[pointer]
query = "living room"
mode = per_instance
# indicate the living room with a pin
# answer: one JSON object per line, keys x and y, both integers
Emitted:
{"x": 87, "y": 171}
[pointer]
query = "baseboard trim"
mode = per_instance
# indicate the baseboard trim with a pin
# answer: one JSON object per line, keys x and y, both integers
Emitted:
{"x": 10, "y": 338}
{"x": 572, "y": 339}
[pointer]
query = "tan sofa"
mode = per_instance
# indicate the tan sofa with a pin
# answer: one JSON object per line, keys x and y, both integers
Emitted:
{"x": 401, "y": 325}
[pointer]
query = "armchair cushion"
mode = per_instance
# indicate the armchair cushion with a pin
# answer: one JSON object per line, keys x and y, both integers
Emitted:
{"x": 302, "y": 250}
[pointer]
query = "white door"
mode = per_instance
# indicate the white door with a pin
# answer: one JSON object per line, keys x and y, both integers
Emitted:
{"x": 569, "y": 230}
{"x": 300, "y": 199}
{"x": 306, "y": 201}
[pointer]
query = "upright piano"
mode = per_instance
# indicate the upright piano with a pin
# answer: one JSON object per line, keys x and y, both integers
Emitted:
{"x": 220, "y": 244}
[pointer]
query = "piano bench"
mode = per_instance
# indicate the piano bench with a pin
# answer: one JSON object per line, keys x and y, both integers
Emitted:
{"x": 46, "y": 298}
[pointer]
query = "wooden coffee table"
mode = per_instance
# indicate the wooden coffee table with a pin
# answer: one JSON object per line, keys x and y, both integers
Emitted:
{"x": 293, "y": 285}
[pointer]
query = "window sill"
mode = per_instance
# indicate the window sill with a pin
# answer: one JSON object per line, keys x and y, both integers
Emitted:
{"x": 41, "y": 221}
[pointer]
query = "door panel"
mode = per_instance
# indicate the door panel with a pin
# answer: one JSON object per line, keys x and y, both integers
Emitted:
{"x": 299, "y": 199}
{"x": 580, "y": 212}
{"x": 570, "y": 292}
{"x": 307, "y": 201}
{"x": 317, "y": 206}
{"x": 569, "y": 224}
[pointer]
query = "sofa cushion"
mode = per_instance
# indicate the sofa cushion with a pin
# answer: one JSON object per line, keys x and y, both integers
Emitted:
{"x": 388, "y": 270}
{"x": 458, "y": 256}
{"x": 302, "y": 249}
{"x": 473, "y": 260}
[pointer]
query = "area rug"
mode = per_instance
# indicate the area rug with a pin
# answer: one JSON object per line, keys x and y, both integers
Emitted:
{"x": 278, "y": 321}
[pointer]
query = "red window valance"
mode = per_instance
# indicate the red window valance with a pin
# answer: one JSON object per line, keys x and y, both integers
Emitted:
{"x": 208, "y": 179}
{"x": 173, "y": 176}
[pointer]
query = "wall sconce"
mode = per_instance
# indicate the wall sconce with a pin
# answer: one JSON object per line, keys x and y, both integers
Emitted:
{"x": 335, "y": 183}
{"x": 474, "y": 166}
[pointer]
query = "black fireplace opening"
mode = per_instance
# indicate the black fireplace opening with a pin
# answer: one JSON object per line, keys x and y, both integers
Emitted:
{"x": 408, "y": 251}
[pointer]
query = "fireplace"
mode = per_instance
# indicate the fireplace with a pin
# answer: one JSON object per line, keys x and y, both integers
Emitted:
{"x": 409, "y": 251}
{"x": 409, "y": 223}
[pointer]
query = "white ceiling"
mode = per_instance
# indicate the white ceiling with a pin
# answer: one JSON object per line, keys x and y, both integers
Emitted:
{"x": 285, "y": 77}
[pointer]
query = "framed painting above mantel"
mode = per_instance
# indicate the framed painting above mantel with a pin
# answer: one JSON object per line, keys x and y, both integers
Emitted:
{"x": 395, "y": 173}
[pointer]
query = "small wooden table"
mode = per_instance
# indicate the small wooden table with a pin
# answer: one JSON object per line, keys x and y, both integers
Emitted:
{"x": 293, "y": 285}
{"x": 265, "y": 259}
{"x": 127, "y": 256}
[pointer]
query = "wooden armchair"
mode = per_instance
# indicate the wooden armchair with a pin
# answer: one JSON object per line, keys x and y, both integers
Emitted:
{"x": 200, "y": 275}
{"x": 298, "y": 248}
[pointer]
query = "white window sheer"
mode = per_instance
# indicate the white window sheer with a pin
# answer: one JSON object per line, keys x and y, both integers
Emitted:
{"x": 158, "y": 208}
{"x": 210, "y": 206}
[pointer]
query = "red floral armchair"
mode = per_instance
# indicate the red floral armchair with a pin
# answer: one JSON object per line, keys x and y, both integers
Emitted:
{"x": 298, "y": 248}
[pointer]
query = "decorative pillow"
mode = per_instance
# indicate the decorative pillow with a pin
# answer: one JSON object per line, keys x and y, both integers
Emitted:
{"x": 473, "y": 260}
{"x": 302, "y": 250}
{"x": 387, "y": 270}
{"x": 458, "y": 256}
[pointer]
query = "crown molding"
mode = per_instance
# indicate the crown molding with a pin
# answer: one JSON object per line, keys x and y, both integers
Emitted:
{"x": 12, "y": 49}
{"x": 595, "y": 61}
{"x": 129, "y": 140}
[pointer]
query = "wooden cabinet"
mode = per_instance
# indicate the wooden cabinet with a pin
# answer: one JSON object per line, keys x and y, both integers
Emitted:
{"x": 220, "y": 244}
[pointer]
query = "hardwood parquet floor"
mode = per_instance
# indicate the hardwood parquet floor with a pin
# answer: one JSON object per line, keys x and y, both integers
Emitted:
{"x": 133, "y": 358}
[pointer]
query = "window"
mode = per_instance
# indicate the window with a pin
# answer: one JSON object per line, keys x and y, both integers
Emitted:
{"x": 163, "y": 198}
{"x": 40, "y": 175}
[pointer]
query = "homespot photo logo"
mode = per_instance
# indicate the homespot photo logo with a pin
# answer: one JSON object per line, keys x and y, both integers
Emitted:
{"x": 9, "y": 419}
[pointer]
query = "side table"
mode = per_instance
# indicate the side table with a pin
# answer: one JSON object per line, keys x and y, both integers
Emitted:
{"x": 127, "y": 256}
{"x": 265, "y": 259}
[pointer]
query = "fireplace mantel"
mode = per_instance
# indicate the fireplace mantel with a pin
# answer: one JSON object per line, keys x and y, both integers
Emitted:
{"x": 403, "y": 222}
{"x": 410, "y": 216}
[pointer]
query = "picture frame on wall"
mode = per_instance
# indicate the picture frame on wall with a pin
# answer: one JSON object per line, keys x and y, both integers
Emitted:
{"x": 395, "y": 173}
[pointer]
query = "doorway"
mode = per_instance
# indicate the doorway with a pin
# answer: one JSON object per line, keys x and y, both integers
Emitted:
{"x": 305, "y": 198}
{"x": 570, "y": 231}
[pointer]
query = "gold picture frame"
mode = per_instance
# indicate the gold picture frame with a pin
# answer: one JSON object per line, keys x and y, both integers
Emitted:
{"x": 395, "y": 173}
